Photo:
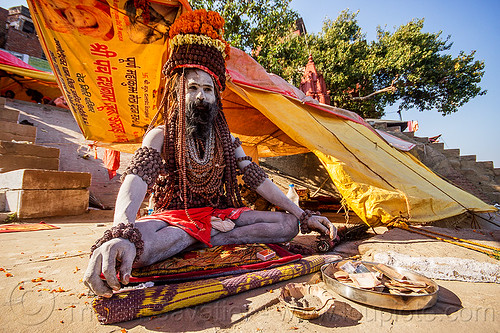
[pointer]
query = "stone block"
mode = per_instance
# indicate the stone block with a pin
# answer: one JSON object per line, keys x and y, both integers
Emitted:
{"x": 2, "y": 200}
{"x": 16, "y": 162}
{"x": 26, "y": 149}
{"x": 452, "y": 152}
{"x": 33, "y": 179}
{"x": 496, "y": 171}
{"x": 421, "y": 139}
{"x": 438, "y": 146}
{"x": 487, "y": 165}
{"x": 45, "y": 203}
{"x": 14, "y": 155}
{"x": 9, "y": 115}
{"x": 469, "y": 158}
{"x": 12, "y": 131}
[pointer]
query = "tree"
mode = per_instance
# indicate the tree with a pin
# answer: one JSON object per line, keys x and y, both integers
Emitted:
{"x": 252, "y": 25}
{"x": 413, "y": 67}
{"x": 409, "y": 66}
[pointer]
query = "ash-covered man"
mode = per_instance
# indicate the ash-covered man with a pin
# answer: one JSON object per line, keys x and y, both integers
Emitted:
{"x": 190, "y": 165}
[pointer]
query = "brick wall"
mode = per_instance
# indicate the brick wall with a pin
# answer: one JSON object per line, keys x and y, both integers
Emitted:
{"x": 22, "y": 42}
{"x": 3, "y": 20}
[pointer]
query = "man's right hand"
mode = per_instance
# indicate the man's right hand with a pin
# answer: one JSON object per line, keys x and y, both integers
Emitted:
{"x": 104, "y": 259}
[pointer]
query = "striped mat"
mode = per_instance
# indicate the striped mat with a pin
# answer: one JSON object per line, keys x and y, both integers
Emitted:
{"x": 164, "y": 298}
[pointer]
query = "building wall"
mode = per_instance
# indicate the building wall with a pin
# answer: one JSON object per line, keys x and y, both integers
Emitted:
{"x": 20, "y": 35}
{"x": 4, "y": 13}
{"x": 23, "y": 42}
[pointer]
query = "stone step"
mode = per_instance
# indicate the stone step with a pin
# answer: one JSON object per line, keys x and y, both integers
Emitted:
{"x": 411, "y": 135}
{"x": 46, "y": 203}
{"x": 468, "y": 158}
{"x": 451, "y": 153}
{"x": 468, "y": 161}
{"x": 12, "y": 131}
{"x": 487, "y": 165}
{"x": 476, "y": 177}
{"x": 34, "y": 179}
{"x": 438, "y": 146}
{"x": 393, "y": 129}
{"x": 7, "y": 114}
{"x": 496, "y": 171}
{"x": 421, "y": 139}
{"x": 15, "y": 156}
{"x": 33, "y": 193}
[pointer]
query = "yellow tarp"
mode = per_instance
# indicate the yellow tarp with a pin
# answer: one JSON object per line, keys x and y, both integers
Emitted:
{"x": 19, "y": 79}
{"x": 378, "y": 182}
{"x": 108, "y": 63}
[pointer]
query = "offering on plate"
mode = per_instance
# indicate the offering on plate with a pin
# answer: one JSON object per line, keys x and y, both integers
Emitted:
{"x": 377, "y": 277}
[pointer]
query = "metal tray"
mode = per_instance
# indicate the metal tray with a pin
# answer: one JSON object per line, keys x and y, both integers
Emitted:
{"x": 380, "y": 299}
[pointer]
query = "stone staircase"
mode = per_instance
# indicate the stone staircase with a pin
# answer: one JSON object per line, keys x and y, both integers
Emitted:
{"x": 30, "y": 184}
{"x": 480, "y": 178}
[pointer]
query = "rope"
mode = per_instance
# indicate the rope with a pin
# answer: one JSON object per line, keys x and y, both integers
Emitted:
{"x": 401, "y": 224}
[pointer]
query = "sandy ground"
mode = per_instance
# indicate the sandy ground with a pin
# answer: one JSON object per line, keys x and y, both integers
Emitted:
{"x": 41, "y": 288}
{"x": 59, "y": 257}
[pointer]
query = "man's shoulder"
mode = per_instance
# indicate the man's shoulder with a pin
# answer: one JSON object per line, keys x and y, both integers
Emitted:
{"x": 154, "y": 138}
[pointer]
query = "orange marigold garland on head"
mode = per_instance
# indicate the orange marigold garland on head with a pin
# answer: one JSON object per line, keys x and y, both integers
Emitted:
{"x": 196, "y": 40}
{"x": 199, "y": 22}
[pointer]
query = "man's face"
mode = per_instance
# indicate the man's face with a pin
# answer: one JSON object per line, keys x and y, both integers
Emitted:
{"x": 200, "y": 87}
{"x": 201, "y": 105}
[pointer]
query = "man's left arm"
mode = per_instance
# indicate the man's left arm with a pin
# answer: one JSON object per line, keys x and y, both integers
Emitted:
{"x": 269, "y": 191}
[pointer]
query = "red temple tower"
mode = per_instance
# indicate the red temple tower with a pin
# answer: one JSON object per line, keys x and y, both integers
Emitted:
{"x": 313, "y": 83}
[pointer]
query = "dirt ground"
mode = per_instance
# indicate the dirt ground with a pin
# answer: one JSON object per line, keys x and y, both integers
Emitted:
{"x": 41, "y": 272}
{"x": 41, "y": 291}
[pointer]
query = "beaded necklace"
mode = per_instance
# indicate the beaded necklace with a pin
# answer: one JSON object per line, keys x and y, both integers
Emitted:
{"x": 199, "y": 174}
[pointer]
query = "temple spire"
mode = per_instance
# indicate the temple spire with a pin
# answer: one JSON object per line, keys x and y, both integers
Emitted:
{"x": 313, "y": 83}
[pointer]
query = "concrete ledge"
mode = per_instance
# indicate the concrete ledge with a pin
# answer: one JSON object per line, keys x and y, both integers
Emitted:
{"x": 12, "y": 131}
{"x": 15, "y": 148}
{"x": 32, "y": 179}
{"x": 9, "y": 115}
{"x": 16, "y": 162}
{"x": 44, "y": 203}
{"x": 14, "y": 156}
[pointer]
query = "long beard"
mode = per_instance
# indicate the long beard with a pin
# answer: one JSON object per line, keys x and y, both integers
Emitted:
{"x": 199, "y": 118}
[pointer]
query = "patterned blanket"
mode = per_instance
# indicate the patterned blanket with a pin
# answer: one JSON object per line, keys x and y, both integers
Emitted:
{"x": 213, "y": 262}
{"x": 164, "y": 298}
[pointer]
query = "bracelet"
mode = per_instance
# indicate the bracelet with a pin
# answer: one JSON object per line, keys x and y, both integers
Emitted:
{"x": 122, "y": 230}
{"x": 306, "y": 215}
{"x": 253, "y": 175}
{"x": 147, "y": 164}
{"x": 244, "y": 158}
{"x": 236, "y": 143}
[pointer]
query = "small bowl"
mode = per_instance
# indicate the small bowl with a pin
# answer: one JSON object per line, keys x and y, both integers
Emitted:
{"x": 306, "y": 301}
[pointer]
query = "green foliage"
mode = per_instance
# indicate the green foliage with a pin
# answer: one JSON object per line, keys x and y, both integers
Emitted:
{"x": 408, "y": 66}
{"x": 252, "y": 25}
{"x": 12, "y": 217}
{"x": 423, "y": 75}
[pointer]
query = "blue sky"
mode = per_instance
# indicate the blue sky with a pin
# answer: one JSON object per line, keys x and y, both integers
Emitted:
{"x": 475, "y": 128}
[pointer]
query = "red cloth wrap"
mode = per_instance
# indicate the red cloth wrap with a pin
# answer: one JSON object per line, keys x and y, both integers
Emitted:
{"x": 200, "y": 227}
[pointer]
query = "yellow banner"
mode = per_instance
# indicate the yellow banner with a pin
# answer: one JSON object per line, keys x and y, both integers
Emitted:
{"x": 107, "y": 57}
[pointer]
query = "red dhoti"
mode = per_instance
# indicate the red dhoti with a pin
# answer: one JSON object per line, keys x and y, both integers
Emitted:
{"x": 199, "y": 225}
